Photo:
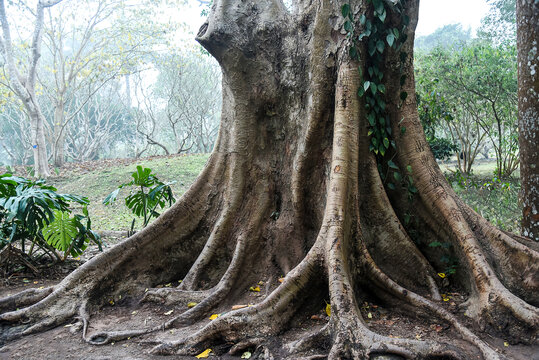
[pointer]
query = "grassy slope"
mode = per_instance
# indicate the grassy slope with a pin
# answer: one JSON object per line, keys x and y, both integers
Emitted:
{"x": 97, "y": 180}
{"x": 498, "y": 202}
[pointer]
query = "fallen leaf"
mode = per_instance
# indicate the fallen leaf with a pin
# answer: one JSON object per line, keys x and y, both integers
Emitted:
{"x": 168, "y": 285}
{"x": 246, "y": 355}
{"x": 418, "y": 337}
{"x": 260, "y": 282}
{"x": 369, "y": 315}
{"x": 505, "y": 343}
{"x": 111, "y": 302}
{"x": 134, "y": 312}
{"x": 35, "y": 282}
{"x": 328, "y": 309}
{"x": 214, "y": 316}
{"x": 255, "y": 289}
{"x": 237, "y": 307}
{"x": 442, "y": 275}
{"x": 281, "y": 280}
{"x": 170, "y": 312}
{"x": 204, "y": 354}
{"x": 41, "y": 287}
{"x": 315, "y": 317}
{"x": 191, "y": 304}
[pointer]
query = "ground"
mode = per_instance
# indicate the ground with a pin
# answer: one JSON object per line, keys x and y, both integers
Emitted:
{"x": 65, "y": 342}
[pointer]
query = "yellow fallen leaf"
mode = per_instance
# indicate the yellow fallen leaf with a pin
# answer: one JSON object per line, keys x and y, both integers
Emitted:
{"x": 111, "y": 302}
{"x": 246, "y": 355}
{"x": 214, "y": 316}
{"x": 369, "y": 315}
{"x": 168, "y": 285}
{"x": 505, "y": 343}
{"x": 204, "y": 354}
{"x": 260, "y": 282}
{"x": 169, "y": 312}
{"x": 191, "y": 304}
{"x": 281, "y": 280}
{"x": 35, "y": 282}
{"x": 255, "y": 289}
{"x": 134, "y": 312}
{"x": 41, "y": 287}
{"x": 328, "y": 309}
{"x": 442, "y": 275}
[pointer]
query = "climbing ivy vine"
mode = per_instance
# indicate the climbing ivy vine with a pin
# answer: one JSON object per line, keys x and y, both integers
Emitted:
{"x": 378, "y": 36}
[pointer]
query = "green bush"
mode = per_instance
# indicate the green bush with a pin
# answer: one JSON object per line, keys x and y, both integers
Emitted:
{"x": 33, "y": 212}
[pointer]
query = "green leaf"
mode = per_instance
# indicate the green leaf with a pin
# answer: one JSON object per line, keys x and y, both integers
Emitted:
{"x": 353, "y": 52}
{"x": 348, "y": 26}
{"x": 435, "y": 244}
{"x": 60, "y": 232}
{"x": 392, "y": 165}
{"x": 380, "y": 46}
{"x": 397, "y": 176}
{"x": 390, "y": 39}
{"x": 403, "y": 130}
{"x": 373, "y": 88}
{"x": 372, "y": 119}
{"x": 386, "y": 143}
{"x": 366, "y": 85}
{"x": 345, "y": 10}
{"x": 382, "y": 15}
{"x": 409, "y": 168}
{"x": 391, "y": 186}
{"x": 396, "y": 33}
{"x": 382, "y": 89}
{"x": 362, "y": 19}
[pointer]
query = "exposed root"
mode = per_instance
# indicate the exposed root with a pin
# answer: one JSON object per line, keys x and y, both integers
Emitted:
{"x": 24, "y": 298}
{"x": 261, "y": 320}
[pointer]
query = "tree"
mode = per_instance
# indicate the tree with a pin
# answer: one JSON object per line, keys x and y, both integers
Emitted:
{"x": 528, "y": 113}
{"x": 110, "y": 40}
{"x": 499, "y": 25}
{"x": 294, "y": 186}
{"x": 23, "y": 85}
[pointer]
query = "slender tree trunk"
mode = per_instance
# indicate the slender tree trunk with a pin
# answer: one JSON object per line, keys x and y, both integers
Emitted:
{"x": 528, "y": 113}
{"x": 294, "y": 190}
{"x": 58, "y": 135}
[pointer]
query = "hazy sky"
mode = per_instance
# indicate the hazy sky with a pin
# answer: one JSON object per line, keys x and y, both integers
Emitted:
{"x": 436, "y": 13}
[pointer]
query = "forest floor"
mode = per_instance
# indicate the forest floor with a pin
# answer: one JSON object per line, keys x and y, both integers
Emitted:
{"x": 97, "y": 179}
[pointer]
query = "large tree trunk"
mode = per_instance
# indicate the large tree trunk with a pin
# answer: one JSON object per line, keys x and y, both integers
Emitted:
{"x": 292, "y": 188}
{"x": 528, "y": 113}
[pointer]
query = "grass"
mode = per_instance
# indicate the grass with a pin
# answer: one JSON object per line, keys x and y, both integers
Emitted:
{"x": 97, "y": 180}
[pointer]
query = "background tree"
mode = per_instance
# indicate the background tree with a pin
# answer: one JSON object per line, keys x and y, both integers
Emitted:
{"x": 23, "y": 81}
{"x": 338, "y": 193}
{"x": 528, "y": 113}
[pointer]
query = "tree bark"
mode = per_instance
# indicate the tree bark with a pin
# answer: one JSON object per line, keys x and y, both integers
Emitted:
{"x": 528, "y": 113}
{"x": 292, "y": 188}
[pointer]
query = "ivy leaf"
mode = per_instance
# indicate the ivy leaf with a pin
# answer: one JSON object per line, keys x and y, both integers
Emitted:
{"x": 380, "y": 46}
{"x": 382, "y": 149}
{"x": 348, "y": 26}
{"x": 397, "y": 176}
{"x": 409, "y": 168}
{"x": 366, "y": 85}
{"x": 382, "y": 15}
{"x": 373, "y": 88}
{"x": 390, "y": 39}
{"x": 396, "y": 33}
{"x": 345, "y": 10}
{"x": 360, "y": 92}
{"x": 391, "y": 186}
{"x": 372, "y": 119}
{"x": 392, "y": 165}
{"x": 386, "y": 143}
{"x": 382, "y": 89}
{"x": 362, "y": 19}
{"x": 353, "y": 52}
